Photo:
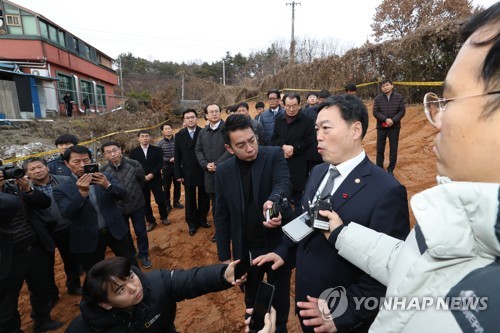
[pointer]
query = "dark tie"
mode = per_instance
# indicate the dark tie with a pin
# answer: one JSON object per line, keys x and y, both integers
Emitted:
{"x": 327, "y": 190}
{"x": 191, "y": 134}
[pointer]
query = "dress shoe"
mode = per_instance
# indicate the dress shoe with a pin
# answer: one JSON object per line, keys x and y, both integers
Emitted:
{"x": 151, "y": 226}
{"x": 205, "y": 224}
{"x": 48, "y": 325}
{"x": 165, "y": 221}
{"x": 145, "y": 262}
{"x": 192, "y": 231}
{"x": 178, "y": 205}
{"x": 75, "y": 291}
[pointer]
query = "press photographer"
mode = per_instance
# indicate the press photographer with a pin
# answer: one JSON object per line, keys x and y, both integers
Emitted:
{"x": 24, "y": 252}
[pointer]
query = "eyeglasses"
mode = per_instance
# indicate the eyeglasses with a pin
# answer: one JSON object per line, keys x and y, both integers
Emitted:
{"x": 434, "y": 105}
{"x": 292, "y": 107}
{"x": 112, "y": 151}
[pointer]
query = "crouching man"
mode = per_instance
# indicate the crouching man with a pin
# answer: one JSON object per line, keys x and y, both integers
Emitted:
{"x": 118, "y": 297}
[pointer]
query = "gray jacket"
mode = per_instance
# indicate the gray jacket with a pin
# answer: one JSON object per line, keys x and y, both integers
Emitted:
{"x": 210, "y": 148}
{"x": 130, "y": 175}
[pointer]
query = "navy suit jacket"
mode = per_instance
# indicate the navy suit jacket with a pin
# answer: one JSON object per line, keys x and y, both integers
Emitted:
{"x": 368, "y": 196}
{"x": 270, "y": 177}
{"x": 186, "y": 164}
{"x": 80, "y": 210}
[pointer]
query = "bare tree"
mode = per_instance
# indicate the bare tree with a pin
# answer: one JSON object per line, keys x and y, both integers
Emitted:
{"x": 397, "y": 18}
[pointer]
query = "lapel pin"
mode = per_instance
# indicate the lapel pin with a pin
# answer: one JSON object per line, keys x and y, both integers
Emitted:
{"x": 357, "y": 180}
{"x": 344, "y": 195}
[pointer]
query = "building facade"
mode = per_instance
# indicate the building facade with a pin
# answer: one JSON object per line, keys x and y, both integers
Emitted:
{"x": 40, "y": 62}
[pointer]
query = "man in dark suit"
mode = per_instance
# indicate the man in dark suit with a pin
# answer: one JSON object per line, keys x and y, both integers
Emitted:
{"x": 246, "y": 184}
{"x": 25, "y": 245}
{"x": 389, "y": 108}
{"x": 189, "y": 172}
{"x": 151, "y": 159}
{"x": 89, "y": 200}
{"x": 359, "y": 191}
{"x": 294, "y": 134}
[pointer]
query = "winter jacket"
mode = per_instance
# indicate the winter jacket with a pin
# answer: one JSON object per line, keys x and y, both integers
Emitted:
{"x": 130, "y": 175}
{"x": 210, "y": 148}
{"x": 393, "y": 108}
{"x": 267, "y": 120}
{"x": 156, "y": 313}
{"x": 453, "y": 251}
{"x": 57, "y": 166}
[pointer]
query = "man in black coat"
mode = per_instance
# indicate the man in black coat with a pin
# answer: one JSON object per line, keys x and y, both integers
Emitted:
{"x": 189, "y": 172}
{"x": 246, "y": 185}
{"x": 90, "y": 201}
{"x": 294, "y": 134}
{"x": 119, "y": 298}
{"x": 389, "y": 108}
{"x": 151, "y": 159}
{"x": 25, "y": 245}
{"x": 361, "y": 192}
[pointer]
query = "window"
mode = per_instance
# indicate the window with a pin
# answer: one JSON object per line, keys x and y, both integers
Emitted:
{"x": 87, "y": 51}
{"x": 87, "y": 90}
{"x": 10, "y": 9}
{"x": 29, "y": 25}
{"x": 65, "y": 84}
{"x": 62, "y": 40}
{"x": 13, "y": 20}
{"x": 44, "y": 30}
{"x": 53, "y": 34}
{"x": 76, "y": 46}
{"x": 101, "y": 97}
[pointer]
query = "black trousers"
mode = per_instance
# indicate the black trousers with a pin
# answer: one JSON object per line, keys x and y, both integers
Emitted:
{"x": 393, "y": 135}
{"x": 30, "y": 265}
{"x": 120, "y": 247}
{"x": 70, "y": 260}
{"x": 280, "y": 278}
{"x": 168, "y": 178}
{"x": 157, "y": 189}
{"x": 196, "y": 211}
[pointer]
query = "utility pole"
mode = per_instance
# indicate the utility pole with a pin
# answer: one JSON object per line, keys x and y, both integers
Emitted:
{"x": 223, "y": 72}
{"x": 182, "y": 87}
{"x": 292, "y": 42}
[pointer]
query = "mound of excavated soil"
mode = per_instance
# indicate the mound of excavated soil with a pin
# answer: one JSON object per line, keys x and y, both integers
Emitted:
{"x": 172, "y": 247}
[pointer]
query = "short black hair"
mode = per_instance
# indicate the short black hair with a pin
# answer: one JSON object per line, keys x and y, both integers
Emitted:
{"x": 205, "y": 109}
{"x": 292, "y": 95}
{"x": 259, "y": 105}
{"x": 490, "y": 67}
{"x": 66, "y": 138}
{"x": 108, "y": 144}
{"x": 311, "y": 93}
{"x": 143, "y": 132}
{"x": 243, "y": 104}
{"x": 350, "y": 87}
{"x": 32, "y": 160}
{"x": 77, "y": 150}
{"x": 165, "y": 124}
{"x": 273, "y": 91}
{"x": 385, "y": 81}
{"x": 189, "y": 111}
{"x": 101, "y": 275}
{"x": 351, "y": 109}
{"x": 233, "y": 123}
{"x": 324, "y": 94}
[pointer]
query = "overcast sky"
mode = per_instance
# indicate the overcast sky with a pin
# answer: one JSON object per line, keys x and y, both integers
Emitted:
{"x": 203, "y": 30}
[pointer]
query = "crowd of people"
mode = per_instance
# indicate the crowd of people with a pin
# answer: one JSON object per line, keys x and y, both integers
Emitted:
{"x": 313, "y": 156}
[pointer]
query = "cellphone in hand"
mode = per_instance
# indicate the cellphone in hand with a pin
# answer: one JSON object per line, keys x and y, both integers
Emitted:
{"x": 91, "y": 168}
{"x": 243, "y": 266}
{"x": 262, "y": 305}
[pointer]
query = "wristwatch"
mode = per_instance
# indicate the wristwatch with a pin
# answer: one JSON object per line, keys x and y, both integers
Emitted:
{"x": 31, "y": 189}
{"x": 108, "y": 187}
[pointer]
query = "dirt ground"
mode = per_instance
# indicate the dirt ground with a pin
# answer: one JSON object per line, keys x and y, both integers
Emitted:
{"x": 172, "y": 247}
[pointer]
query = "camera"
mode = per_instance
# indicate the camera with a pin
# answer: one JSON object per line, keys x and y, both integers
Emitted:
{"x": 278, "y": 206}
{"x": 12, "y": 172}
{"x": 91, "y": 168}
{"x": 319, "y": 221}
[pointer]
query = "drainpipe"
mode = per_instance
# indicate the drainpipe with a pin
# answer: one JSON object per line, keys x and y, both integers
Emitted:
{"x": 96, "y": 101}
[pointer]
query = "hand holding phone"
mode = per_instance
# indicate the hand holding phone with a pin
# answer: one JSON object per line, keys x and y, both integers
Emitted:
{"x": 91, "y": 168}
{"x": 243, "y": 266}
{"x": 263, "y": 302}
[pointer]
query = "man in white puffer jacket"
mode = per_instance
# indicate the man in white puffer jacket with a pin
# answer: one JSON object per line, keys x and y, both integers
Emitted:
{"x": 454, "y": 250}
